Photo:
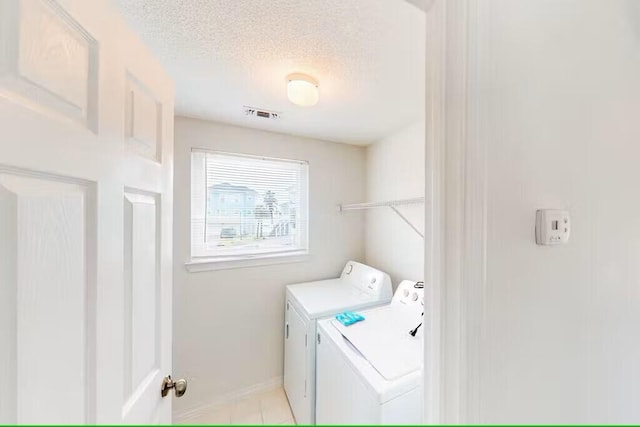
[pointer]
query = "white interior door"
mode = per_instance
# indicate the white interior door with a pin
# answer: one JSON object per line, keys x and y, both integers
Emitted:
{"x": 86, "y": 146}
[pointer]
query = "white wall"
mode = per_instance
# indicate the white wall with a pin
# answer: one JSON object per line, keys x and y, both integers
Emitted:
{"x": 560, "y": 340}
{"x": 228, "y": 324}
{"x": 395, "y": 170}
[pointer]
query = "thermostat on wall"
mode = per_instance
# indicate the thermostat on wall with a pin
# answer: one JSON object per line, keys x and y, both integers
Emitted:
{"x": 552, "y": 227}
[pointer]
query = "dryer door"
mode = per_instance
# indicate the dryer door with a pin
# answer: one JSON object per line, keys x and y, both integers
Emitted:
{"x": 295, "y": 363}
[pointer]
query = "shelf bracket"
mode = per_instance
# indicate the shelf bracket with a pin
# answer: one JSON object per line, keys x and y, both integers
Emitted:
{"x": 391, "y": 204}
{"x": 404, "y": 218}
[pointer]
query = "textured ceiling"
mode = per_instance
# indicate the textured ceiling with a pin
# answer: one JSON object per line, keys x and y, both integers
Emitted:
{"x": 368, "y": 56}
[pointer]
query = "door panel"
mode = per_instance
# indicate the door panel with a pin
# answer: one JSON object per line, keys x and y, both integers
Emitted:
{"x": 141, "y": 300}
{"x": 50, "y": 60}
{"x": 143, "y": 119}
{"x": 51, "y": 300}
{"x": 85, "y": 217}
{"x": 8, "y": 303}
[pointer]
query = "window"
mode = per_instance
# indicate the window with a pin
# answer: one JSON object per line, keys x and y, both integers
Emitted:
{"x": 246, "y": 206}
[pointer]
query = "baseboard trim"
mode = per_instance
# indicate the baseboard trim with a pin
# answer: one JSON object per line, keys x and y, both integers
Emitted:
{"x": 224, "y": 399}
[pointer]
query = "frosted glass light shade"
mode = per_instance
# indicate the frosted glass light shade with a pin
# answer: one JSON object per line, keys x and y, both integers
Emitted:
{"x": 302, "y": 90}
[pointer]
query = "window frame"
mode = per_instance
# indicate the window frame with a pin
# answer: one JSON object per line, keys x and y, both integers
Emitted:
{"x": 208, "y": 261}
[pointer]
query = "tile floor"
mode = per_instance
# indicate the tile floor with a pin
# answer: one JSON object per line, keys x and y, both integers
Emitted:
{"x": 270, "y": 407}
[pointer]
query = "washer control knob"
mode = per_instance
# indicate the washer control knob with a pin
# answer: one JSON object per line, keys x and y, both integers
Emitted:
{"x": 414, "y": 296}
{"x": 373, "y": 280}
{"x": 405, "y": 293}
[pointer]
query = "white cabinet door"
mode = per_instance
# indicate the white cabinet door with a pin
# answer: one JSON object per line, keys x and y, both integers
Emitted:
{"x": 295, "y": 363}
{"x": 86, "y": 146}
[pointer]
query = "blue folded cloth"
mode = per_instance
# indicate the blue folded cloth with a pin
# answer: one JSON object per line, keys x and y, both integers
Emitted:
{"x": 349, "y": 318}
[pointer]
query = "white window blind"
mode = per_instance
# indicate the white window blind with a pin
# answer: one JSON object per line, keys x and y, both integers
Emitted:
{"x": 246, "y": 206}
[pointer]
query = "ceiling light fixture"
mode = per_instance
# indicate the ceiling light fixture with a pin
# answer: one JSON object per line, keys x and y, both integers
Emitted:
{"x": 302, "y": 89}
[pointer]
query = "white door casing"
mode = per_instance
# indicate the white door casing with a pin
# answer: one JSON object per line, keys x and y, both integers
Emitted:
{"x": 456, "y": 219}
{"x": 86, "y": 146}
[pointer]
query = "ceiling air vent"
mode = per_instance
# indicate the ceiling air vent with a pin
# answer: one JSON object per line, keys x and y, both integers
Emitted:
{"x": 264, "y": 114}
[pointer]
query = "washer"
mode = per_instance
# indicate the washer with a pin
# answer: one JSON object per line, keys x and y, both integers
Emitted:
{"x": 371, "y": 372}
{"x": 359, "y": 286}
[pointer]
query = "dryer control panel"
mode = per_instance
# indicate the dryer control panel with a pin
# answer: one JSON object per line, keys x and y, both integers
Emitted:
{"x": 367, "y": 280}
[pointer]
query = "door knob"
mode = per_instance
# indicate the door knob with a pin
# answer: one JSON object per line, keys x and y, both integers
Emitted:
{"x": 180, "y": 386}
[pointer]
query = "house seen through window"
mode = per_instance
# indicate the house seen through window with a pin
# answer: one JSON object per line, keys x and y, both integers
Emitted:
{"x": 246, "y": 206}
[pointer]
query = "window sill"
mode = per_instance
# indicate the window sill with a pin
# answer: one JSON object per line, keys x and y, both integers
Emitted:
{"x": 209, "y": 264}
